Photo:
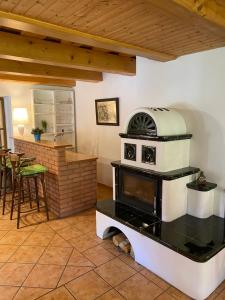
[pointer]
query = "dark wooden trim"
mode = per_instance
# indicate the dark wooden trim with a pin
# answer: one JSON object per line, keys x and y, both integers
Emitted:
{"x": 3, "y": 122}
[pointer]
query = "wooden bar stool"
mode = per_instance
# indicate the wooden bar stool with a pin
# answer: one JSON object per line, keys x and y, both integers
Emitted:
{"x": 4, "y": 175}
{"x": 27, "y": 174}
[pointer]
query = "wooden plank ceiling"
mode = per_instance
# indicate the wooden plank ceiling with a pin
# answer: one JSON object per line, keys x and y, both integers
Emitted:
{"x": 105, "y": 35}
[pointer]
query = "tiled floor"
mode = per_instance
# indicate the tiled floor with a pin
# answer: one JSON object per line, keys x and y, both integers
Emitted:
{"x": 63, "y": 259}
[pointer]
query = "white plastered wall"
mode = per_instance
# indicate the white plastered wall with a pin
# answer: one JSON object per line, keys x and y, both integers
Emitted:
{"x": 193, "y": 83}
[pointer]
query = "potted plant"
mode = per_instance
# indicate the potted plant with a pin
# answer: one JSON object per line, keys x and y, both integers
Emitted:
{"x": 37, "y": 132}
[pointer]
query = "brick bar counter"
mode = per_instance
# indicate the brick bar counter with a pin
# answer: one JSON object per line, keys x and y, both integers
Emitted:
{"x": 71, "y": 178}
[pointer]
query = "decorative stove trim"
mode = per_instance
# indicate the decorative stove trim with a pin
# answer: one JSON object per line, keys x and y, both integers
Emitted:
{"x": 166, "y": 158}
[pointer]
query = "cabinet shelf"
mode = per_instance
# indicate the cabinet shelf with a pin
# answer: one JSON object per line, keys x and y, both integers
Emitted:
{"x": 56, "y": 107}
{"x": 43, "y": 104}
{"x": 44, "y": 113}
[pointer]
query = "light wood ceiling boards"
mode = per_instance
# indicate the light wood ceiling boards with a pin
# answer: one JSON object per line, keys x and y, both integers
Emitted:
{"x": 169, "y": 28}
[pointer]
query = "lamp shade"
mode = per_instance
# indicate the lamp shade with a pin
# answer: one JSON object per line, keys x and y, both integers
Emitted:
{"x": 20, "y": 115}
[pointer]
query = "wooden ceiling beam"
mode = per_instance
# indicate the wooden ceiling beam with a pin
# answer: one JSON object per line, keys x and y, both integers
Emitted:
{"x": 42, "y": 28}
{"x": 32, "y": 69}
{"x": 38, "y": 80}
{"x": 31, "y": 49}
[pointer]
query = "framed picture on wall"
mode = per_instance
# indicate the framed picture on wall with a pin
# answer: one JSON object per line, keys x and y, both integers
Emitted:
{"x": 107, "y": 111}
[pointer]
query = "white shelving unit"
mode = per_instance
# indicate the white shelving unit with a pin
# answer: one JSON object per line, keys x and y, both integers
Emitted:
{"x": 56, "y": 107}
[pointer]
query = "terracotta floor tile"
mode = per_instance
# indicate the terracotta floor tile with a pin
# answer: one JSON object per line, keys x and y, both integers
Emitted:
{"x": 79, "y": 260}
{"x": 43, "y": 227}
{"x": 7, "y": 292}
{"x": 131, "y": 262}
{"x": 14, "y": 238}
{"x": 44, "y": 276}
{"x": 58, "y": 224}
{"x": 93, "y": 236}
{"x": 138, "y": 287}
{"x": 219, "y": 297}
{"x": 6, "y": 251}
{"x": 213, "y": 296}
{"x": 59, "y": 294}
{"x": 27, "y": 254}
{"x": 165, "y": 296}
{"x": 111, "y": 295}
{"x": 175, "y": 293}
{"x": 115, "y": 271}
{"x": 55, "y": 256}
{"x": 98, "y": 255}
{"x": 69, "y": 233}
{"x": 7, "y": 224}
{"x": 14, "y": 274}
{"x": 3, "y": 232}
{"x": 39, "y": 239}
{"x": 72, "y": 272}
{"x": 30, "y": 293}
{"x": 220, "y": 288}
{"x": 86, "y": 226}
{"x": 82, "y": 243}
{"x": 58, "y": 241}
{"x": 87, "y": 287}
{"x": 32, "y": 219}
{"x": 156, "y": 279}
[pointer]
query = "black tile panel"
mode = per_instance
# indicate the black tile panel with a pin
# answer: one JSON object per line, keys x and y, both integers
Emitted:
{"x": 171, "y": 175}
{"x": 197, "y": 239}
{"x": 166, "y": 138}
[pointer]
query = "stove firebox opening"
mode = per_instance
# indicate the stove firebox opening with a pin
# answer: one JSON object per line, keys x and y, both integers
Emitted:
{"x": 140, "y": 191}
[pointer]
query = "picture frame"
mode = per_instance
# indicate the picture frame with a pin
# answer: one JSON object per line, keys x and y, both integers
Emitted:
{"x": 107, "y": 111}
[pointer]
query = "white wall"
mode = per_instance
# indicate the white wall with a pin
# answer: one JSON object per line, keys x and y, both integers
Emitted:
{"x": 195, "y": 84}
{"x": 20, "y": 97}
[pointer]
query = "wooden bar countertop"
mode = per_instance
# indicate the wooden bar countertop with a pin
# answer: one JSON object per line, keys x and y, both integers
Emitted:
{"x": 70, "y": 156}
{"x": 44, "y": 143}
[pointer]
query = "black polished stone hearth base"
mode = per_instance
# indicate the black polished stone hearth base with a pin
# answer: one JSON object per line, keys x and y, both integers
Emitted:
{"x": 197, "y": 239}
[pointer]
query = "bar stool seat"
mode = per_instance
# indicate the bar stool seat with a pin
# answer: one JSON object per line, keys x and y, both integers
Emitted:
{"x": 27, "y": 174}
{"x": 32, "y": 170}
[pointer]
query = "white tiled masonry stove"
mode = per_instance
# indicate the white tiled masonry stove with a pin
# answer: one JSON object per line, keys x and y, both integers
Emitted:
{"x": 167, "y": 217}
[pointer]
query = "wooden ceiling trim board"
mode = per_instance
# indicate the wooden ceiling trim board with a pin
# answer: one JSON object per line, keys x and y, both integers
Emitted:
{"x": 31, "y": 69}
{"x": 38, "y": 80}
{"x": 41, "y": 51}
{"x": 8, "y": 5}
{"x": 177, "y": 9}
{"x": 30, "y": 25}
{"x": 38, "y": 8}
{"x": 211, "y": 10}
{"x": 68, "y": 10}
{"x": 105, "y": 17}
{"x": 22, "y": 6}
{"x": 57, "y": 9}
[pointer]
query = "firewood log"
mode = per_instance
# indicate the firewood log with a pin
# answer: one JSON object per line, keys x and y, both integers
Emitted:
{"x": 132, "y": 252}
{"x": 125, "y": 246}
{"x": 118, "y": 238}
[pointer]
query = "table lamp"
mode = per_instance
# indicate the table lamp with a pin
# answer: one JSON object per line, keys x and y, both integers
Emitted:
{"x": 20, "y": 116}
